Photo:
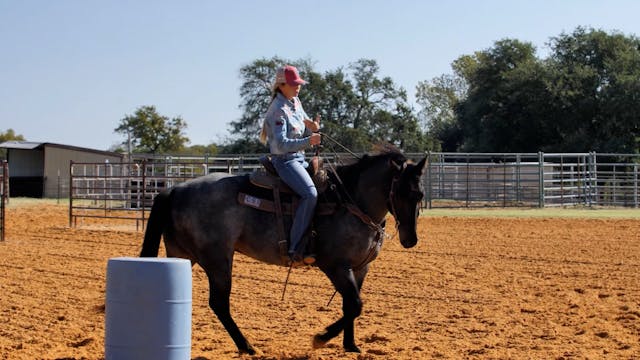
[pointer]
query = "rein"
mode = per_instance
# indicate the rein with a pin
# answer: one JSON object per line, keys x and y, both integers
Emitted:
{"x": 366, "y": 219}
{"x": 354, "y": 209}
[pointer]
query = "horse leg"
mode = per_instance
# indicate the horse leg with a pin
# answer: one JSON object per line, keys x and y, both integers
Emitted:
{"x": 219, "y": 274}
{"x": 348, "y": 285}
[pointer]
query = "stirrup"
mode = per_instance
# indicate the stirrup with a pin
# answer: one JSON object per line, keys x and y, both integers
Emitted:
{"x": 295, "y": 260}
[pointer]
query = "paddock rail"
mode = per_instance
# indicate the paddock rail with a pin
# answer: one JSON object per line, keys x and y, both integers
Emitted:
{"x": 126, "y": 190}
{"x": 532, "y": 180}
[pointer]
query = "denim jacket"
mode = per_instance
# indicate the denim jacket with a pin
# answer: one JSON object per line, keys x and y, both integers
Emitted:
{"x": 287, "y": 134}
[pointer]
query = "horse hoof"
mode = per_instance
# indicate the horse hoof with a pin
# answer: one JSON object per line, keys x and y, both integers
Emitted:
{"x": 318, "y": 341}
{"x": 249, "y": 350}
{"x": 352, "y": 348}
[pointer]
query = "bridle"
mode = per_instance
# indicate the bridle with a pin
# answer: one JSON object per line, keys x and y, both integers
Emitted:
{"x": 392, "y": 192}
{"x": 353, "y": 208}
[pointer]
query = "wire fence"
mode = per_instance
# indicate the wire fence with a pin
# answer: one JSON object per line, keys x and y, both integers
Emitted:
{"x": 127, "y": 190}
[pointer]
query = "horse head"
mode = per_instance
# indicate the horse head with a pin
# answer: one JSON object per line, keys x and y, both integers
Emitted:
{"x": 404, "y": 199}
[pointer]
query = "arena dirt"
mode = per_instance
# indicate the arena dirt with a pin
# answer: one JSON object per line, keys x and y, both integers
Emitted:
{"x": 473, "y": 288}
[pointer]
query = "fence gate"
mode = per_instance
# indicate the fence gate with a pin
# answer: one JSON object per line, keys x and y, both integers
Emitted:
{"x": 4, "y": 194}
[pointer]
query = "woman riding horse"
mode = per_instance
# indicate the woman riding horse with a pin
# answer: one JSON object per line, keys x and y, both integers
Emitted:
{"x": 202, "y": 220}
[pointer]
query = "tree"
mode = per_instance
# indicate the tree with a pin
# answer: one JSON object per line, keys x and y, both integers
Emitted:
{"x": 358, "y": 108}
{"x": 596, "y": 91}
{"x": 583, "y": 97}
{"x": 497, "y": 110}
{"x": 372, "y": 93}
{"x": 255, "y": 91}
{"x": 438, "y": 99}
{"x": 149, "y": 132}
{"x": 211, "y": 149}
{"x": 8, "y": 135}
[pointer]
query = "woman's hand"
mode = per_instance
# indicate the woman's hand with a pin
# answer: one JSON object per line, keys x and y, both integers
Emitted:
{"x": 315, "y": 139}
{"x": 314, "y": 126}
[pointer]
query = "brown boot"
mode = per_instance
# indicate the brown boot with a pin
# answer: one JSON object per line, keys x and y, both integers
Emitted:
{"x": 309, "y": 259}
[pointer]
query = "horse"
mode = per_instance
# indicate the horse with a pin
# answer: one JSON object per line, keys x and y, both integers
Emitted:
{"x": 202, "y": 220}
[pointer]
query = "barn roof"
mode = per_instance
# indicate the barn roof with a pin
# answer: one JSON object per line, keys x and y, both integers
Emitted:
{"x": 31, "y": 145}
{"x": 25, "y": 145}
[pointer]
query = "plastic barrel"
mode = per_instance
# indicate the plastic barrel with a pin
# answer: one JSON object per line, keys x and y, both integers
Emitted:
{"x": 148, "y": 309}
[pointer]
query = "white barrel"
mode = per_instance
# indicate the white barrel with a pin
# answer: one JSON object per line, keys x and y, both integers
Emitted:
{"x": 148, "y": 309}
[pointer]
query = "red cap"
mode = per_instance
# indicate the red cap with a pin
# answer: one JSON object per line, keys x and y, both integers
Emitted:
{"x": 289, "y": 74}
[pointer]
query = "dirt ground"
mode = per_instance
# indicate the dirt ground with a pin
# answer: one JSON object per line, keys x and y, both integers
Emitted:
{"x": 473, "y": 288}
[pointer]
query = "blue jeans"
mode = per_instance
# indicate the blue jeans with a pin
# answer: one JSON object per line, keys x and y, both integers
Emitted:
{"x": 294, "y": 174}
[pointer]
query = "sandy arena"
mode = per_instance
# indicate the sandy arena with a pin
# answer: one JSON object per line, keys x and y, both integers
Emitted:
{"x": 473, "y": 288}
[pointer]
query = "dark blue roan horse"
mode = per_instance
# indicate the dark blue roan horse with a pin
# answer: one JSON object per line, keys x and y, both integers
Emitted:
{"x": 202, "y": 220}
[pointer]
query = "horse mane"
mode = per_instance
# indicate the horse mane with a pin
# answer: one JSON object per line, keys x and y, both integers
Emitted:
{"x": 349, "y": 174}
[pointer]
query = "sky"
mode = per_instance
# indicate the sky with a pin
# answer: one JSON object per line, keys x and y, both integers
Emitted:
{"x": 70, "y": 70}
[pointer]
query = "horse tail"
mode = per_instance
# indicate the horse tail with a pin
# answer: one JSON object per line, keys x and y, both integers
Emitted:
{"x": 158, "y": 219}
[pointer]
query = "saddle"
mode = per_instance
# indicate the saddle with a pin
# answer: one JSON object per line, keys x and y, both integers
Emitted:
{"x": 267, "y": 178}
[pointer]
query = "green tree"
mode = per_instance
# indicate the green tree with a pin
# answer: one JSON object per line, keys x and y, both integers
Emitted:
{"x": 583, "y": 97}
{"x": 438, "y": 99}
{"x": 596, "y": 91}
{"x": 211, "y": 149}
{"x": 8, "y": 135}
{"x": 149, "y": 132}
{"x": 495, "y": 112}
{"x": 255, "y": 93}
{"x": 357, "y": 106}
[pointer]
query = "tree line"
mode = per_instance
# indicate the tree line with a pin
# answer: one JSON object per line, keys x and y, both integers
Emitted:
{"x": 583, "y": 96}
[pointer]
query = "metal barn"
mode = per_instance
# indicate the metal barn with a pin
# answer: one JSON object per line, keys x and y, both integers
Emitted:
{"x": 41, "y": 169}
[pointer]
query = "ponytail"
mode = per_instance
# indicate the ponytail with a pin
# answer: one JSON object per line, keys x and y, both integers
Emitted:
{"x": 275, "y": 89}
{"x": 263, "y": 132}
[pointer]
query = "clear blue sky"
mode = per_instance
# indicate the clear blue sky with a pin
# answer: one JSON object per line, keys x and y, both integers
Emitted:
{"x": 71, "y": 69}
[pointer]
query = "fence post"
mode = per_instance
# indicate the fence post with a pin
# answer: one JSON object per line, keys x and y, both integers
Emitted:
{"x": 4, "y": 192}
{"x": 70, "y": 193}
{"x": 144, "y": 189}
{"x": 467, "y": 180}
{"x": 541, "y": 179}
{"x": 635, "y": 186}
{"x": 504, "y": 180}
{"x": 518, "y": 169}
{"x": 428, "y": 184}
{"x": 593, "y": 179}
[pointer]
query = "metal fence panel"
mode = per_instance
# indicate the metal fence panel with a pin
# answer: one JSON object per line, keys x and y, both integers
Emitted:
{"x": 614, "y": 179}
{"x": 482, "y": 179}
{"x": 126, "y": 190}
{"x": 532, "y": 179}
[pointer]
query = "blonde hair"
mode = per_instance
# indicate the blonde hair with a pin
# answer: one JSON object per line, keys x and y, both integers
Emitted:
{"x": 275, "y": 89}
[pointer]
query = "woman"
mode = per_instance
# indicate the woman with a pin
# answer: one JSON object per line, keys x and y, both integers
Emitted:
{"x": 288, "y": 131}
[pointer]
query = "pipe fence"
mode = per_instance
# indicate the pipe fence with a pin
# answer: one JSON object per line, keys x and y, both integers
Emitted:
{"x": 4, "y": 195}
{"x": 532, "y": 180}
{"x": 127, "y": 190}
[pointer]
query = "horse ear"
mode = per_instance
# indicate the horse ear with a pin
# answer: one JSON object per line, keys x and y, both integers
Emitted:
{"x": 395, "y": 164}
{"x": 422, "y": 165}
